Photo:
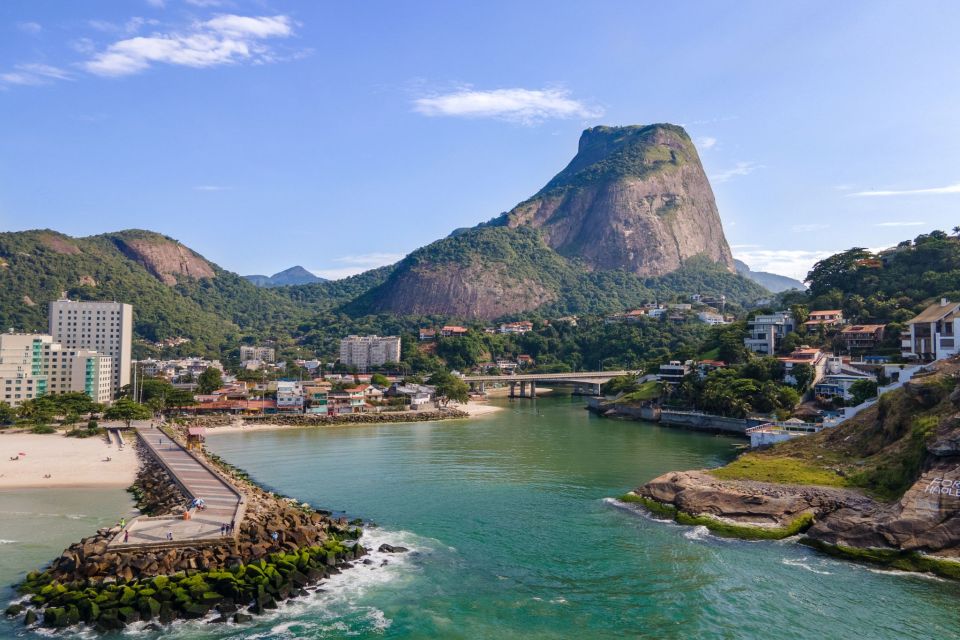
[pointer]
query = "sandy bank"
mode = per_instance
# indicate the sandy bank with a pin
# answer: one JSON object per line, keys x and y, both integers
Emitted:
{"x": 504, "y": 391}
{"x": 70, "y": 462}
{"x": 475, "y": 409}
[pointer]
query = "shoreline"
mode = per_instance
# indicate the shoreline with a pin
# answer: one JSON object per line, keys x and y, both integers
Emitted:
{"x": 71, "y": 463}
{"x": 473, "y": 408}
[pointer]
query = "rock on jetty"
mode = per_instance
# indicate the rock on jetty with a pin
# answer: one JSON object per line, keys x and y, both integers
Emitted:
{"x": 307, "y": 420}
{"x": 108, "y": 588}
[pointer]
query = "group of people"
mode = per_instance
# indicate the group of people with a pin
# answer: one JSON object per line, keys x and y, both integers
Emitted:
{"x": 198, "y": 504}
{"x": 226, "y": 529}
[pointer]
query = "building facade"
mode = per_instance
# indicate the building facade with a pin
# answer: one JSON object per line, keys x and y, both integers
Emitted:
{"x": 932, "y": 335}
{"x": 364, "y": 352}
{"x": 250, "y": 353}
{"x": 33, "y": 365}
{"x": 104, "y": 327}
{"x": 766, "y": 332}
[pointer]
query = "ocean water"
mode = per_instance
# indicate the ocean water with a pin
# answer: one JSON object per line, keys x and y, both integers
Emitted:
{"x": 514, "y": 534}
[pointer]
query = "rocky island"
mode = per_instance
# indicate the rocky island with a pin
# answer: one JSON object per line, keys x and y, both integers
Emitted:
{"x": 884, "y": 487}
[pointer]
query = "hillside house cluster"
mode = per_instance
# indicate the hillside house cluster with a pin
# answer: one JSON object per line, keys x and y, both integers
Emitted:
{"x": 933, "y": 333}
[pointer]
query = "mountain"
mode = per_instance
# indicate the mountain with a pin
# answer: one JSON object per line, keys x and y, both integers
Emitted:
{"x": 292, "y": 276}
{"x": 633, "y": 198}
{"x": 634, "y": 204}
{"x": 174, "y": 290}
{"x": 772, "y": 281}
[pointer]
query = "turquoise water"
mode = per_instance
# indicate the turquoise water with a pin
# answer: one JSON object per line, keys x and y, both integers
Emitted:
{"x": 513, "y": 537}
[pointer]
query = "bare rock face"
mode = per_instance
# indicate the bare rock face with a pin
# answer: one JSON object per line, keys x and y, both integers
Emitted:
{"x": 59, "y": 243}
{"x": 165, "y": 258}
{"x": 471, "y": 291}
{"x": 634, "y": 198}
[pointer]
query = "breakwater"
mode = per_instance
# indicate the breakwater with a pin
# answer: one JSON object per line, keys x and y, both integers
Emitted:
{"x": 693, "y": 420}
{"x": 281, "y": 549}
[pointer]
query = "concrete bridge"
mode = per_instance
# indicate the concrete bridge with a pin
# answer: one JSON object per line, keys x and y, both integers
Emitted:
{"x": 583, "y": 382}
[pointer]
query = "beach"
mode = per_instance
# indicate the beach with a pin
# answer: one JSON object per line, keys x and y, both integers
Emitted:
{"x": 70, "y": 462}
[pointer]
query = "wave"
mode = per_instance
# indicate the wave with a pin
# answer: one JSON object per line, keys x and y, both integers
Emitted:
{"x": 791, "y": 562}
{"x": 2, "y": 541}
{"x": 698, "y": 532}
{"x": 907, "y": 574}
{"x": 636, "y": 508}
{"x": 338, "y": 606}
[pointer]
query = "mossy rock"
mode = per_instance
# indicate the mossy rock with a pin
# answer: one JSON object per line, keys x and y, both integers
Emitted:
{"x": 128, "y": 615}
{"x": 55, "y": 617}
{"x": 13, "y": 610}
{"x": 149, "y": 608}
{"x": 30, "y": 618}
{"x": 128, "y": 596}
{"x": 89, "y": 610}
{"x": 160, "y": 582}
{"x": 195, "y": 610}
{"x": 73, "y": 615}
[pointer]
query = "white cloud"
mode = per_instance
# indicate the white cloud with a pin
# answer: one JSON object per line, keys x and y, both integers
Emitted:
{"x": 524, "y": 106}
{"x": 814, "y": 226}
{"x": 902, "y": 223}
{"x": 33, "y": 75}
{"x": 949, "y": 189}
{"x": 157, "y": 4}
{"x": 739, "y": 169}
{"x": 211, "y": 187}
{"x": 224, "y": 39}
{"x": 706, "y": 142}
{"x": 355, "y": 264}
{"x": 206, "y": 3}
{"x": 795, "y": 263}
{"x": 32, "y": 28}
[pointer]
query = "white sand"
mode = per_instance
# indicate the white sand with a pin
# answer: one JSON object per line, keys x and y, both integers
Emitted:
{"x": 70, "y": 462}
{"x": 474, "y": 408}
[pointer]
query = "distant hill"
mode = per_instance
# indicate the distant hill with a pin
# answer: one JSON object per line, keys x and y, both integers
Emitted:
{"x": 772, "y": 281}
{"x": 174, "y": 290}
{"x": 292, "y": 276}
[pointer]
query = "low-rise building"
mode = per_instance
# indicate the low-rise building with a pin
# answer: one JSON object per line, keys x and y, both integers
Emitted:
{"x": 289, "y": 396}
{"x": 418, "y": 395}
{"x": 516, "y": 327}
{"x": 674, "y": 371}
{"x": 709, "y": 317}
{"x": 427, "y": 335}
{"x": 766, "y": 331}
{"x": 811, "y": 356}
{"x": 862, "y": 336}
{"x": 829, "y": 319}
{"x": 932, "y": 334}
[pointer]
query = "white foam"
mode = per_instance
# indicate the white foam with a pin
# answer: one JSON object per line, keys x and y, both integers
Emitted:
{"x": 907, "y": 574}
{"x": 791, "y": 562}
{"x": 2, "y": 541}
{"x": 699, "y": 532}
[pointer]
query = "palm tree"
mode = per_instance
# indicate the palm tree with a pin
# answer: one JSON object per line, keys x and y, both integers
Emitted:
{"x": 956, "y": 231}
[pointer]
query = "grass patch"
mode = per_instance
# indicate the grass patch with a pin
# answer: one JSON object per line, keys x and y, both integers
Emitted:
{"x": 645, "y": 392}
{"x": 712, "y": 354}
{"x": 718, "y": 527}
{"x": 768, "y": 468}
{"x": 892, "y": 558}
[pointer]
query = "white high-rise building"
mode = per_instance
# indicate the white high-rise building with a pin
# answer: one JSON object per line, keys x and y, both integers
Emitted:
{"x": 104, "y": 327}
{"x": 33, "y": 365}
{"x": 364, "y": 352}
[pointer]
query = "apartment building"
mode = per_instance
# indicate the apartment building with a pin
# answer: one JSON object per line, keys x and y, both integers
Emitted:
{"x": 257, "y": 354}
{"x": 766, "y": 331}
{"x": 33, "y": 365}
{"x": 862, "y": 336}
{"x": 364, "y": 352}
{"x": 104, "y": 327}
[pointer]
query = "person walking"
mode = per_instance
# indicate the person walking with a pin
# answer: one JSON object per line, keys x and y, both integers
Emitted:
{"x": 123, "y": 522}
{"x": 126, "y": 536}
{"x": 170, "y": 535}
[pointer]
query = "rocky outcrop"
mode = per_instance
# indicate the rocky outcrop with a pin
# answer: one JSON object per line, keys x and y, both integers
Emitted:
{"x": 306, "y": 420}
{"x": 634, "y": 198}
{"x": 164, "y": 257}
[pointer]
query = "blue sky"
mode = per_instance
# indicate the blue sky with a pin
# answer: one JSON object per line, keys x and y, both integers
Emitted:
{"x": 340, "y": 136}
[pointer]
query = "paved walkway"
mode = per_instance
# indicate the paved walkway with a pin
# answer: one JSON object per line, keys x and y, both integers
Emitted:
{"x": 222, "y": 501}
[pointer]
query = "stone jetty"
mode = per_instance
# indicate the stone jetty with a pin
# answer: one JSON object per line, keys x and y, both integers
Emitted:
{"x": 279, "y": 549}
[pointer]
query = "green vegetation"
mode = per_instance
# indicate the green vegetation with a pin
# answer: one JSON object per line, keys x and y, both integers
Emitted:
{"x": 210, "y": 380}
{"x": 891, "y": 558}
{"x": 739, "y": 390}
{"x": 450, "y": 387}
{"x": 780, "y": 469}
{"x": 644, "y": 393}
{"x": 721, "y": 528}
{"x": 127, "y": 410}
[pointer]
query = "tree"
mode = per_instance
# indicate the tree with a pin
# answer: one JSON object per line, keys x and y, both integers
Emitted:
{"x": 863, "y": 390}
{"x": 38, "y": 410}
{"x": 380, "y": 380}
{"x": 450, "y": 387}
{"x": 127, "y": 410}
{"x": 76, "y": 402}
{"x": 7, "y": 414}
{"x": 210, "y": 380}
{"x": 179, "y": 398}
{"x": 803, "y": 374}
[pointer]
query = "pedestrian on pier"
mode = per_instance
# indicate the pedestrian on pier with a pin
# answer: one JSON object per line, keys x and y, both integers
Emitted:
{"x": 223, "y": 529}
{"x": 170, "y": 535}
{"x": 126, "y": 536}
{"x": 123, "y": 522}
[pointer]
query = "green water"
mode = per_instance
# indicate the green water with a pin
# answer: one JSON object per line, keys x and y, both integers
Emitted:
{"x": 512, "y": 538}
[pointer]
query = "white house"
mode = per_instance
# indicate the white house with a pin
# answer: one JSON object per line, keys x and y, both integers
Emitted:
{"x": 766, "y": 332}
{"x": 932, "y": 335}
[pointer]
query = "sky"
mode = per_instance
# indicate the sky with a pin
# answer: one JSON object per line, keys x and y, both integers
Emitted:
{"x": 341, "y": 136}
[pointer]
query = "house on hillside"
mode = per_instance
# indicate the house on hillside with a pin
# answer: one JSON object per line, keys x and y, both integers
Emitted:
{"x": 828, "y": 319}
{"x": 427, "y": 334}
{"x": 804, "y": 355}
{"x": 453, "y": 331}
{"x": 932, "y": 334}
{"x": 674, "y": 371}
{"x": 516, "y": 327}
{"x": 862, "y": 336}
{"x": 766, "y": 331}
